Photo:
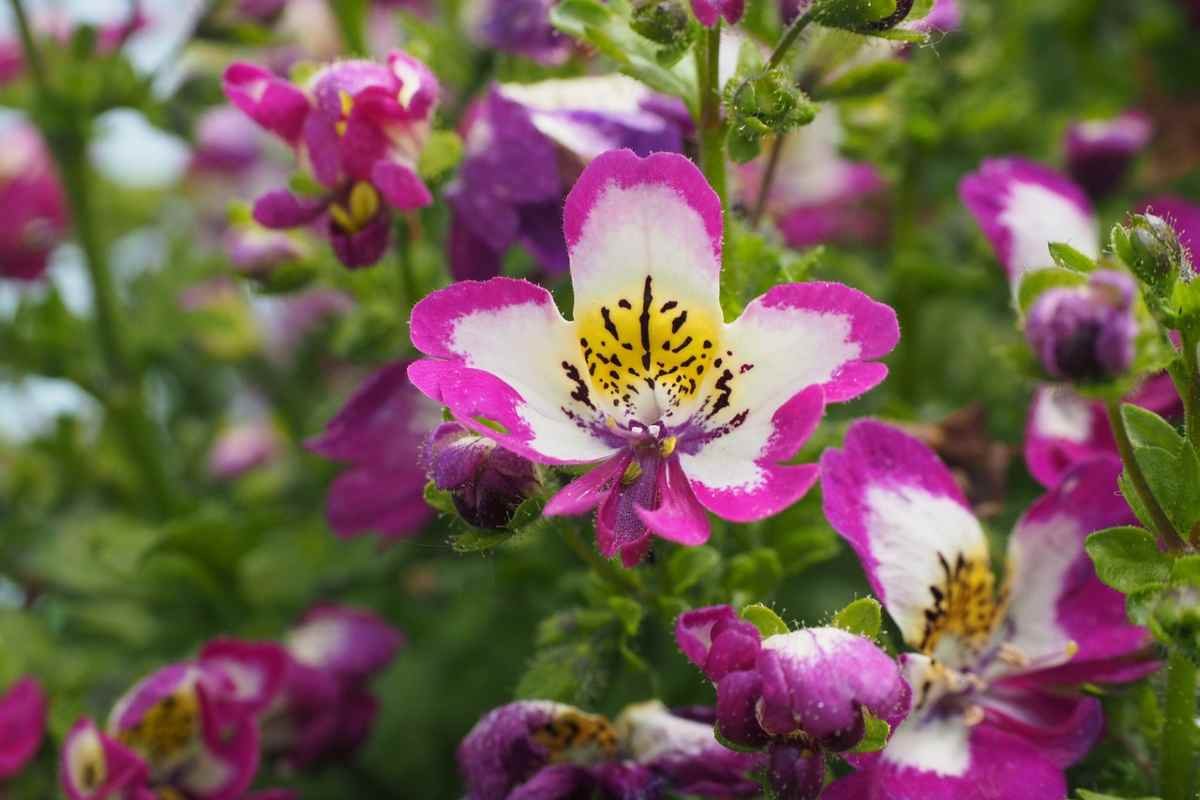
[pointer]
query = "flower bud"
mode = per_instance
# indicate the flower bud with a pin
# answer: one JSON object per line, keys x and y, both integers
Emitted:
{"x": 1151, "y": 248}
{"x": 1099, "y": 152}
{"x": 1085, "y": 333}
{"x": 663, "y": 22}
{"x": 486, "y": 481}
{"x": 1177, "y": 619}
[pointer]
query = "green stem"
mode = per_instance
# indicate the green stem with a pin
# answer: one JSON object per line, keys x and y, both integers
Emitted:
{"x": 1160, "y": 521}
{"x": 781, "y": 49}
{"x": 1178, "y": 761}
{"x": 351, "y": 21}
{"x": 764, "y": 190}
{"x": 32, "y": 57}
{"x": 711, "y": 125}
{"x": 1190, "y": 393}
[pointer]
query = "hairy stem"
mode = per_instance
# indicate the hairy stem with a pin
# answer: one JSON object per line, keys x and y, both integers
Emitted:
{"x": 1178, "y": 761}
{"x": 1162, "y": 525}
{"x": 710, "y": 125}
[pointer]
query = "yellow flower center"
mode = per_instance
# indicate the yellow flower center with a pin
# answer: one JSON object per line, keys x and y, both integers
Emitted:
{"x": 169, "y": 726}
{"x": 579, "y": 737}
{"x": 360, "y": 208}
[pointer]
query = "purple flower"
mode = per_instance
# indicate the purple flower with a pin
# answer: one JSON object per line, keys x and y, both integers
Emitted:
{"x": 680, "y": 413}
{"x": 35, "y": 215}
{"x": 709, "y": 12}
{"x": 22, "y": 725}
{"x": 325, "y": 708}
{"x": 226, "y": 142}
{"x": 243, "y": 448}
{"x": 359, "y": 127}
{"x": 190, "y": 729}
{"x": 818, "y": 196}
{"x": 255, "y": 251}
{"x": 538, "y": 749}
{"x": 517, "y": 26}
{"x": 1085, "y": 333}
{"x": 379, "y": 432}
{"x": 486, "y": 481}
{"x": 1099, "y": 152}
{"x": 525, "y": 146}
{"x": 797, "y": 693}
{"x": 990, "y": 717}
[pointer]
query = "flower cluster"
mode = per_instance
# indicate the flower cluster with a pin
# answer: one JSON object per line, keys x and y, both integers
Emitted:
{"x": 551, "y": 751}
{"x": 359, "y": 127}
{"x": 198, "y": 729}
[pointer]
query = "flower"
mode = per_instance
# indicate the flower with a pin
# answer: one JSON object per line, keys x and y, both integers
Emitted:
{"x": 1085, "y": 333}
{"x": 710, "y": 12}
{"x": 35, "y": 215}
{"x": 798, "y": 693}
{"x": 190, "y": 729}
{"x": 325, "y": 708}
{"x": 990, "y": 717}
{"x": 546, "y": 750}
{"x": 379, "y": 432}
{"x": 679, "y": 412}
{"x": 1064, "y": 428}
{"x": 1099, "y": 152}
{"x": 818, "y": 196}
{"x": 359, "y": 127}
{"x": 525, "y": 146}
{"x": 521, "y": 27}
{"x": 244, "y": 447}
{"x": 226, "y": 142}
{"x": 487, "y": 482}
{"x": 1023, "y": 206}
{"x": 22, "y": 725}
{"x": 255, "y": 251}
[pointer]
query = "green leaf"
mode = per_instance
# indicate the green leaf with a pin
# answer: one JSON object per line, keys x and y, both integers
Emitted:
{"x": 1147, "y": 429}
{"x": 1185, "y": 571}
{"x": 1068, "y": 257}
{"x": 1036, "y": 281}
{"x": 861, "y": 81}
{"x": 630, "y": 612}
{"x": 575, "y": 673}
{"x": 442, "y": 153}
{"x": 1127, "y": 558}
{"x": 1168, "y": 461}
{"x": 864, "y": 616}
{"x": 688, "y": 566}
{"x": 1084, "y": 794}
{"x": 757, "y": 573}
{"x": 728, "y": 745}
{"x": 1141, "y": 602}
{"x": 439, "y": 500}
{"x": 763, "y": 618}
{"x": 876, "y": 735}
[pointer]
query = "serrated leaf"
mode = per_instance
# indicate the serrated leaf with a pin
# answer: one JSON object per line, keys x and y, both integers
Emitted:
{"x": 864, "y": 617}
{"x": 763, "y": 618}
{"x": 875, "y": 736}
{"x": 1128, "y": 558}
{"x": 1068, "y": 257}
{"x": 690, "y": 565}
{"x": 1036, "y": 281}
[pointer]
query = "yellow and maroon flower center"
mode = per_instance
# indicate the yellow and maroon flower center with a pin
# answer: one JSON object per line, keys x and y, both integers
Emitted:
{"x": 965, "y": 605}
{"x": 577, "y": 737}
{"x": 360, "y": 207}
{"x": 167, "y": 728}
{"x": 647, "y": 353}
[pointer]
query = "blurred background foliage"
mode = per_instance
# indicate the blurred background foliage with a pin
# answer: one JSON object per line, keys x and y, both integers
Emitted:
{"x": 100, "y": 582}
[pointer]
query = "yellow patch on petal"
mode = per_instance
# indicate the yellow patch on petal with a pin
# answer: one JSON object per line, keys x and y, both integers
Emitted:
{"x": 361, "y": 207}
{"x": 645, "y": 349}
{"x": 965, "y": 605}
{"x": 576, "y": 736}
{"x": 169, "y": 726}
{"x": 86, "y": 762}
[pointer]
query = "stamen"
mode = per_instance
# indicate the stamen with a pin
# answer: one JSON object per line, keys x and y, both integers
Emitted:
{"x": 1013, "y": 656}
{"x": 667, "y": 446}
{"x": 973, "y": 715}
{"x": 364, "y": 203}
{"x": 632, "y": 473}
{"x": 341, "y": 217}
{"x": 347, "y": 102}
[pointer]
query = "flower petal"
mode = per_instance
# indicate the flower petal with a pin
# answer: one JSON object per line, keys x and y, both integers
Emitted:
{"x": 22, "y": 723}
{"x": 272, "y": 102}
{"x": 709, "y": 12}
{"x": 400, "y": 185}
{"x": 679, "y": 516}
{"x": 390, "y": 502}
{"x": 898, "y": 506}
{"x": 507, "y": 355}
{"x": 1058, "y": 606}
{"x": 717, "y": 641}
{"x": 1022, "y": 207}
{"x": 282, "y": 209}
{"x": 353, "y": 643}
{"x": 93, "y": 766}
{"x": 1063, "y": 726}
{"x": 587, "y": 491}
{"x": 256, "y": 671}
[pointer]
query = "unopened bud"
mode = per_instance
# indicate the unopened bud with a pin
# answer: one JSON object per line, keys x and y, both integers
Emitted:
{"x": 1177, "y": 619}
{"x": 663, "y": 22}
{"x": 1085, "y": 333}
{"x": 1151, "y": 248}
{"x": 486, "y": 482}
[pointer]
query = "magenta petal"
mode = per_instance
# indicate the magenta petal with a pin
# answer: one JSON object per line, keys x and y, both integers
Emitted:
{"x": 257, "y": 670}
{"x": 22, "y": 725}
{"x": 400, "y": 186}
{"x": 371, "y": 499}
{"x": 587, "y": 491}
{"x": 1064, "y": 727}
{"x": 270, "y": 101}
{"x": 282, "y": 209}
{"x": 796, "y": 771}
{"x": 679, "y": 516}
{"x": 323, "y": 147}
{"x": 365, "y": 247}
{"x": 738, "y": 694}
{"x": 717, "y": 641}
{"x": 708, "y": 11}
{"x": 88, "y": 753}
{"x": 350, "y": 642}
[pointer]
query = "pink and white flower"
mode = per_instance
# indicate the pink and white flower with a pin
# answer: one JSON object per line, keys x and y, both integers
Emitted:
{"x": 359, "y": 127}
{"x": 35, "y": 214}
{"x": 679, "y": 411}
{"x": 22, "y": 725}
{"x": 990, "y": 717}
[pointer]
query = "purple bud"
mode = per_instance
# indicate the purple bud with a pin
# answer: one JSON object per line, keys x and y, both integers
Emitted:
{"x": 1085, "y": 333}
{"x": 487, "y": 482}
{"x": 717, "y": 641}
{"x": 1099, "y": 152}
